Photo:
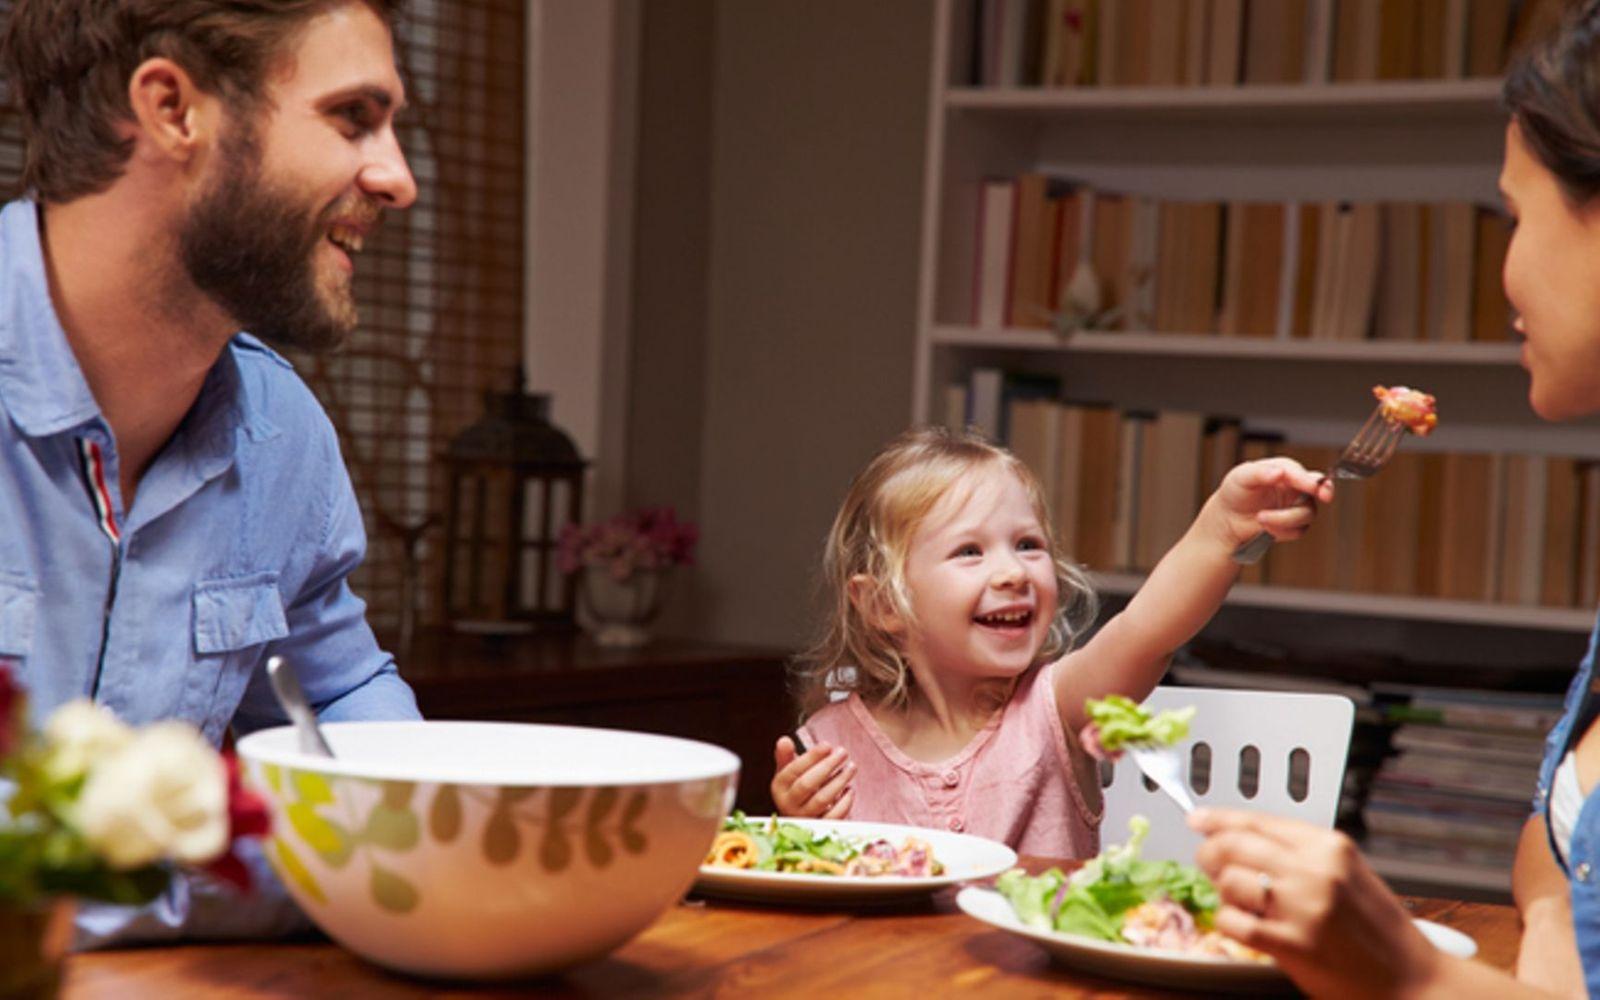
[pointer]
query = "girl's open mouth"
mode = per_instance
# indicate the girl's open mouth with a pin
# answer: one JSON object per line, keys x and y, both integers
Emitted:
{"x": 1020, "y": 618}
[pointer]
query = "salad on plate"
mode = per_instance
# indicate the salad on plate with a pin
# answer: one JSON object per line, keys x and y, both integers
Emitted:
{"x": 773, "y": 845}
{"x": 1121, "y": 898}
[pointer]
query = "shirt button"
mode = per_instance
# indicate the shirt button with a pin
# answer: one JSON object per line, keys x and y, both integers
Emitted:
{"x": 1582, "y": 871}
{"x": 956, "y": 824}
{"x": 951, "y": 779}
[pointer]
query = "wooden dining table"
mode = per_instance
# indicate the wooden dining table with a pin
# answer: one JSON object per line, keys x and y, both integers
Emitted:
{"x": 703, "y": 947}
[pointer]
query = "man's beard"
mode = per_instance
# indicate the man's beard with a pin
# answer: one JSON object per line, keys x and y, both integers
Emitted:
{"x": 250, "y": 247}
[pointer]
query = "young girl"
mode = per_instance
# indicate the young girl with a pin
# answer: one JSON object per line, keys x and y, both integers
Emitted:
{"x": 951, "y": 620}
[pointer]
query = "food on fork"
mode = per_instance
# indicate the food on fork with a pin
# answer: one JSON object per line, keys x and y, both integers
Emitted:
{"x": 1116, "y": 721}
{"x": 775, "y": 846}
{"x": 1412, "y": 407}
{"x": 1121, "y": 898}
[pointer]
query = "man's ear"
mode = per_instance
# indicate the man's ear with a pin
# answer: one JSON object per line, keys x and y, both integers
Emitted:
{"x": 871, "y": 605}
{"x": 169, "y": 111}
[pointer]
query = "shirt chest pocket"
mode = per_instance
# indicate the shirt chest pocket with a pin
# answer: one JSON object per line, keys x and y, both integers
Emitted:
{"x": 233, "y": 619}
{"x": 19, "y": 606}
{"x": 235, "y": 614}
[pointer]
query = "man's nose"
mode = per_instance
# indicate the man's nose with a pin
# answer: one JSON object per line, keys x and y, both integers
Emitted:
{"x": 387, "y": 176}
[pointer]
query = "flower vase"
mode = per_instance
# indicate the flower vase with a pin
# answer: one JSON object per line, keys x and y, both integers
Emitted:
{"x": 33, "y": 940}
{"x": 621, "y": 610}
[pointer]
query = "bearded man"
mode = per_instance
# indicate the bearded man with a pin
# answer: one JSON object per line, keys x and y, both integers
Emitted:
{"x": 174, "y": 502}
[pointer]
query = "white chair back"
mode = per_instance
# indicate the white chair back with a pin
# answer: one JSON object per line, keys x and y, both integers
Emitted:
{"x": 1294, "y": 746}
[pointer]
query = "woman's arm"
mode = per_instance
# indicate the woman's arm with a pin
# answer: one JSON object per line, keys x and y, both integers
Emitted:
{"x": 1548, "y": 956}
{"x": 1130, "y": 653}
{"x": 1327, "y": 918}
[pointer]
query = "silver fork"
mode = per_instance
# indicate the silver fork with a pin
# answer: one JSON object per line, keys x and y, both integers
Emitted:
{"x": 1367, "y": 452}
{"x": 1164, "y": 766}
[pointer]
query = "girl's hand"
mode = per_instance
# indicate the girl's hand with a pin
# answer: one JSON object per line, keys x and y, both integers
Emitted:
{"x": 815, "y": 784}
{"x": 1268, "y": 495}
{"x": 1320, "y": 910}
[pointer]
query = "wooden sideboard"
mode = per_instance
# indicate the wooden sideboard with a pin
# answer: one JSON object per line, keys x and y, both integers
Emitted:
{"x": 734, "y": 696}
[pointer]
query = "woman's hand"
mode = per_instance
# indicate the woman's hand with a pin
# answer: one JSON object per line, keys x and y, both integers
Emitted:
{"x": 1268, "y": 495}
{"x": 1304, "y": 895}
{"x": 815, "y": 784}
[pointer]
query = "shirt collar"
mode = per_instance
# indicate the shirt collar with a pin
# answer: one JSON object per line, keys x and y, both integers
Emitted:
{"x": 41, "y": 386}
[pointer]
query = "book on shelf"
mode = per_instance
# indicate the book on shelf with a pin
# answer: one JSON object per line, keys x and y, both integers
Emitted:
{"x": 1073, "y": 43}
{"x": 991, "y": 276}
{"x": 1326, "y": 271}
{"x": 1169, "y": 483}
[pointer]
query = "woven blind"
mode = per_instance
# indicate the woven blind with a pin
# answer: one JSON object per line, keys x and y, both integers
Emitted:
{"x": 439, "y": 289}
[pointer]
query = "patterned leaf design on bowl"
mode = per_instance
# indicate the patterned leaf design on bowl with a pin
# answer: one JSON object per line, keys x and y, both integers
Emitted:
{"x": 294, "y": 870}
{"x": 444, "y": 816}
{"x": 392, "y": 892}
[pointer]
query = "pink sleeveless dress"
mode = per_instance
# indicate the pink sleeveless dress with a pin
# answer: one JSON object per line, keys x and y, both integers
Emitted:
{"x": 1016, "y": 782}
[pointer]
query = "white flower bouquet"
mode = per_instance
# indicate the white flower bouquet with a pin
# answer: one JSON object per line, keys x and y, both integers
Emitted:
{"x": 94, "y": 809}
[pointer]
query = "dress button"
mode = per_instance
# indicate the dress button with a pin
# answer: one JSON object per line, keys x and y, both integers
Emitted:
{"x": 951, "y": 779}
{"x": 956, "y": 824}
{"x": 1582, "y": 871}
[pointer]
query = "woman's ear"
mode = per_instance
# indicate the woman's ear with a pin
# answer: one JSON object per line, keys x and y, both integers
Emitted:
{"x": 870, "y": 603}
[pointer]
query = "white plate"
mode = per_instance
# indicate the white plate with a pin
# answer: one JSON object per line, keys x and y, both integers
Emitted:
{"x": 1158, "y": 967}
{"x": 964, "y": 857}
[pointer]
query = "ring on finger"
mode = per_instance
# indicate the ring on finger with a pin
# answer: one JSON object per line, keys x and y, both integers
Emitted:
{"x": 1264, "y": 880}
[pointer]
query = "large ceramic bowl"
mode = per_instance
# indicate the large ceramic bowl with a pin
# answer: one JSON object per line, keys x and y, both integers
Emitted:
{"x": 476, "y": 849}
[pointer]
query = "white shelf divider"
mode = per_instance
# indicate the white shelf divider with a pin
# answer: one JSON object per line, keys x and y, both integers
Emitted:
{"x": 1197, "y": 345}
{"x": 1382, "y": 605}
{"x": 1400, "y": 99}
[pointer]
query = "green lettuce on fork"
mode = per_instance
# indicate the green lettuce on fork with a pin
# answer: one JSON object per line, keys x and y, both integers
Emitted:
{"x": 1117, "y": 721}
{"x": 1094, "y": 900}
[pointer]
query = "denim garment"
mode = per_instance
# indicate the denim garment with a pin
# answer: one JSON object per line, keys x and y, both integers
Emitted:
{"x": 238, "y": 544}
{"x": 1583, "y": 862}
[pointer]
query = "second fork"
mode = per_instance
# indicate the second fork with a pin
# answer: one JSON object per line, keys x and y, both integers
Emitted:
{"x": 1373, "y": 445}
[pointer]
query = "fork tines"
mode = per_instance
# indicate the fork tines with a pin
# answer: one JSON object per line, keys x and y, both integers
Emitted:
{"x": 1373, "y": 445}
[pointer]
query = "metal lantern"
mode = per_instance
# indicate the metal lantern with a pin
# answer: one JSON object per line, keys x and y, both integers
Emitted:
{"x": 515, "y": 480}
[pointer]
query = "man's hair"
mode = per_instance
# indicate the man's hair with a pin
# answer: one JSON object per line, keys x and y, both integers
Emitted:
{"x": 68, "y": 64}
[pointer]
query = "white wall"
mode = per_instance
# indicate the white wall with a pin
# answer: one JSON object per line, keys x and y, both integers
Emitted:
{"x": 817, "y": 147}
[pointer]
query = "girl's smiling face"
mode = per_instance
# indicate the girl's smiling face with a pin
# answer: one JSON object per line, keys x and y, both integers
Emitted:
{"x": 981, "y": 579}
{"x": 1552, "y": 279}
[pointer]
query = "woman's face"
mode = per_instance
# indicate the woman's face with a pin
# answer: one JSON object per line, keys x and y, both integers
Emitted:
{"x": 1552, "y": 278}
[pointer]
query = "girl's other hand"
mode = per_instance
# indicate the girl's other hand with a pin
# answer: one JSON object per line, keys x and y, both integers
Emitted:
{"x": 1304, "y": 895}
{"x": 1269, "y": 495}
{"x": 813, "y": 785}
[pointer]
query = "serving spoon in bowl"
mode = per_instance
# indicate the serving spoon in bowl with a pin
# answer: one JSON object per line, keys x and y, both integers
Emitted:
{"x": 293, "y": 699}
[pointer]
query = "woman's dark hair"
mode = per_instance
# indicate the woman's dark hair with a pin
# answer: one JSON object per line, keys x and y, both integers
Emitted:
{"x": 1552, "y": 90}
{"x": 68, "y": 63}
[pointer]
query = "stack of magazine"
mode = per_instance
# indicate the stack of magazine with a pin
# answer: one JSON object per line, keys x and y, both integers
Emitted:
{"x": 1456, "y": 789}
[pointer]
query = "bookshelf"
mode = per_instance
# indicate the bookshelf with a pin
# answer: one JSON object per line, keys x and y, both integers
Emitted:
{"x": 1423, "y": 141}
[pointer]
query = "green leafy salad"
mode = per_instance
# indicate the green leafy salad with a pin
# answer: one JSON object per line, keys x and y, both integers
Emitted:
{"x": 1121, "y": 898}
{"x": 1119, "y": 721}
{"x": 772, "y": 845}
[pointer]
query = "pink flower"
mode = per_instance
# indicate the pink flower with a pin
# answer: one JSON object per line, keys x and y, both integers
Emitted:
{"x": 649, "y": 538}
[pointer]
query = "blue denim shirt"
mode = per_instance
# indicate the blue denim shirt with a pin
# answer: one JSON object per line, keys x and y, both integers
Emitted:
{"x": 1582, "y": 864}
{"x": 238, "y": 544}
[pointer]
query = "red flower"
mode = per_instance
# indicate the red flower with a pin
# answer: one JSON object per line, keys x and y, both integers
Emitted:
{"x": 247, "y": 817}
{"x": 11, "y": 715}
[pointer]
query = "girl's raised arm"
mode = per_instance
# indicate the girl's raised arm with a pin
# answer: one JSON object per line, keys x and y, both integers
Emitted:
{"x": 1130, "y": 653}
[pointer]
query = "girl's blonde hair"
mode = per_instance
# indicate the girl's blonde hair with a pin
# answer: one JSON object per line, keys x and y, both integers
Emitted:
{"x": 871, "y": 537}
